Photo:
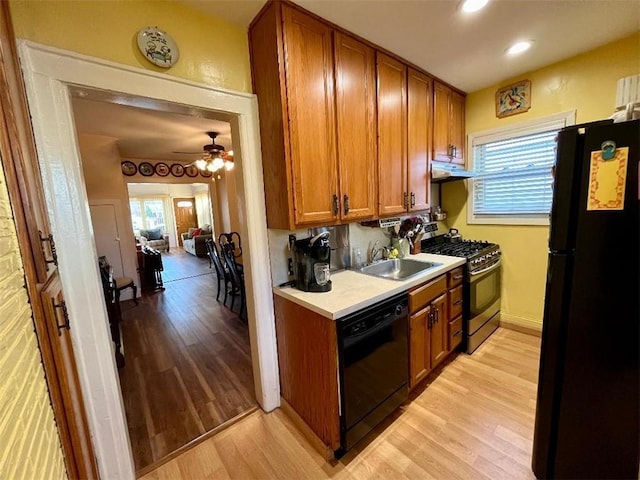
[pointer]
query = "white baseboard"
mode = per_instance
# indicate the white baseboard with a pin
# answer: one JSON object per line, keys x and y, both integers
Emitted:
{"x": 524, "y": 325}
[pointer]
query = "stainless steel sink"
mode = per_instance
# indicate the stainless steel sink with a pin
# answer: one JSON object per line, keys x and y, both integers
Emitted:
{"x": 398, "y": 268}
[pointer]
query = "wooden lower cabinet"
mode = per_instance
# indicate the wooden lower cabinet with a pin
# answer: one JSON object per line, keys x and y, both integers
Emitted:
{"x": 435, "y": 323}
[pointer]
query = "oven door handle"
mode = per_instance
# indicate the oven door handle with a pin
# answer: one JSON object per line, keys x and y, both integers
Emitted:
{"x": 486, "y": 270}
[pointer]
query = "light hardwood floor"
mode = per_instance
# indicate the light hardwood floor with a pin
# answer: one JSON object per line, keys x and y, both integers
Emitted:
{"x": 188, "y": 363}
{"x": 474, "y": 421}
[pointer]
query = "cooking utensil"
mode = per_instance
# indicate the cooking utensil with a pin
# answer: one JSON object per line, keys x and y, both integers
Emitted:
{"x": 438, "y": 215}
{"x": 453, "y": 236}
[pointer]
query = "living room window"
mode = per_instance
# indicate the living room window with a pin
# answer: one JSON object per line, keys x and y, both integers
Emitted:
{"x": 147, "y": 213}
{"x": 513, "y": 182}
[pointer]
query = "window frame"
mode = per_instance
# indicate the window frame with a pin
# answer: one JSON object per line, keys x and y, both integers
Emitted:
{"x": 141, "y": 199}
{"x": 530, "y": 127}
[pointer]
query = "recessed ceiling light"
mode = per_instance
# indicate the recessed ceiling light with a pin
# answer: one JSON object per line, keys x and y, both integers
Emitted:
{"x": 473, "y": 5}
{"x": 518, "y": 47}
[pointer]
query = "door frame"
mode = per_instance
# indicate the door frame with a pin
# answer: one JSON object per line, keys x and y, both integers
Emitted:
{"x": 49, "y": 73}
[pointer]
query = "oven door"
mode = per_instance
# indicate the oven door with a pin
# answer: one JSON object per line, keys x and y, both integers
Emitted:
{"x": 484, "y": 296}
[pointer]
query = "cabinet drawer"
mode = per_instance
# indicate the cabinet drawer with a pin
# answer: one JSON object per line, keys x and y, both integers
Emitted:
{"x": 455, "y": 332}
{"x": 455, "y": 301}
{"x": 420, "y": 296}
{"x": 454, "y": 277}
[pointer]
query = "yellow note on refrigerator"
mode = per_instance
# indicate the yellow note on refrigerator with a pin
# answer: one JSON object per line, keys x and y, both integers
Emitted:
{"x": 607, "y": 180}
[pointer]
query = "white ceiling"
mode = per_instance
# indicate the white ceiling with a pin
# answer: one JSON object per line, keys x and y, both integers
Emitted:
{"x": 466, "y": 50}
{"x": 144, "y": 133}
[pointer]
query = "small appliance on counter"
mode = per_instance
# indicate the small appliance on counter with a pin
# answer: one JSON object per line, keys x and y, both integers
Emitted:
{"x": 312, "y": 258}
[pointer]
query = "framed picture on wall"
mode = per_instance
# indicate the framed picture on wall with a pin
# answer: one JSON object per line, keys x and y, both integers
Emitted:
{"x": 177, "y": 170}
{"x": 146, "y": 169}
{"x": 162, "y": 169}
{"x": 191, "y": 170}
{"x": 513, "y": 99}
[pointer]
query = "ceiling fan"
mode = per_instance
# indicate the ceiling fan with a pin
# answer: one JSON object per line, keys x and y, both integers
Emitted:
{"x": 214, "y": 156}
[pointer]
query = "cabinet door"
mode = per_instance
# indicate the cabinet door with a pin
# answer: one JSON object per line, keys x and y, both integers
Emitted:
{"x": 439, "y": 330}
{"x": 356, "y": 126}
{"x": 457, "y": 128}
{"x": 74, "y": 432}
{"x": 419, "y": 139}
{"x": 419, "y": 356}
{"x": 392, "y": 138}
{"x": 309, "y": 75}
{"x": 441, "y": 116}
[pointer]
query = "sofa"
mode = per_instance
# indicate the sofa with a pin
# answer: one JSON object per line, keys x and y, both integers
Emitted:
{"x": 154, "y": 238}
{"x": 194, "y": 240}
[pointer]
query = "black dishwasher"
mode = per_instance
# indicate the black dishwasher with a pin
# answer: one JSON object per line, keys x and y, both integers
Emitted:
{"x": 374, "y": 367}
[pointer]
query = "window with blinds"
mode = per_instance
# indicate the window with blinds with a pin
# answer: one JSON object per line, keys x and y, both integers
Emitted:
{"x": 513, "y": 182}
{"x": 514, "y": 176}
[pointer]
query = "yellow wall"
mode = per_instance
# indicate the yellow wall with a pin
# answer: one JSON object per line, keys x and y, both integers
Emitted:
{"x": 585, "y": 83}
{"x": 212, "y": 50}
{"x": 29, "y": 443}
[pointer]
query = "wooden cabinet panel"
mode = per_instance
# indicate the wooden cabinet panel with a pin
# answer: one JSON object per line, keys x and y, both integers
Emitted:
{"x": 454, "y": 277}
{"x": 419, "y": 139}
{"x": 455, "y": 302}
{"x": 420, "y": 357}
{"x": 454, "y": 332}
{"x": 438, "y": 332}
{"x": 422, "y": 295}
{"x": 308, "y": 356}
{"x": 448, "y": 125}
{"x": 441, "y": 143}
{"x": 74, "y": 431}
{"x": 312, "y": 133}
{"x": 457, "y": 128}
{"x": 392, "y": 138}
{"x": 356, "y": 127}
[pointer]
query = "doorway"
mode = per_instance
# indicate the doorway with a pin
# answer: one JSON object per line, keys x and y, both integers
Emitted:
{"x": 49, "y": 100}
{"x": 180, "y": 334}
{"x": 184, "y": 210}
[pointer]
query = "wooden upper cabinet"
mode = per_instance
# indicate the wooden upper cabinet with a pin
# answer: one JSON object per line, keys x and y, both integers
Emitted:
{"x": 393, "y": 196}
{"x": 419, "y": 140}
{"x": 457, "y": 128}
{"x": 355, "y": 94}
{"x": 312, "y": 132}
{"x": 448, "y": 127}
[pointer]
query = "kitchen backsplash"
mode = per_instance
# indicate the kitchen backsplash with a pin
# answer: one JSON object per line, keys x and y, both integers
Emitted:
{"x": 358, "y": 236}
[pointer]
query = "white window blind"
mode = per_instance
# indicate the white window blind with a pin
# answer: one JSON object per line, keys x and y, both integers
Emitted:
{"x": 513, "y": 176}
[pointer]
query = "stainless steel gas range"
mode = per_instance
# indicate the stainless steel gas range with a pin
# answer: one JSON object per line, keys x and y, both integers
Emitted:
{"x": 481, "y": 314}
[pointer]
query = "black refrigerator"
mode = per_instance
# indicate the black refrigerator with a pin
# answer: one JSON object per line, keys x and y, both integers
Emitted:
{"x": 587, "y": 412}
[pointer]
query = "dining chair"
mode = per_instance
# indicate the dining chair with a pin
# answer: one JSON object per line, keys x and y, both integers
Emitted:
{"x": 235, "y": 277}
{"x": 221, "y": 270}
{"x": 121, "y": 282}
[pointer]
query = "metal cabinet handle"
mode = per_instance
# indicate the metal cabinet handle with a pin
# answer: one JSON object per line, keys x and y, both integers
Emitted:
{"x": 346, "y": 204}
{"x": 406, "y": 200}
{"x": 52, "y": 246}
{"x": 430, "y": 321}
{"x": 62, "y": 305}
{"x": 413, "y": 199}
{"x": 457, "y": 277}
{"x": 336, "y": 206}
{"x": 458, "y": 333}
{"x": 457, "y": 302}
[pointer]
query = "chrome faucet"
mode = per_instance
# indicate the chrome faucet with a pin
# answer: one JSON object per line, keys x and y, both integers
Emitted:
{"x": 374, "y": 251}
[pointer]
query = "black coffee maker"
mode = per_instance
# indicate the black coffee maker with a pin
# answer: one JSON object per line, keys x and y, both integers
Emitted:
{"x": 312, "y": 258}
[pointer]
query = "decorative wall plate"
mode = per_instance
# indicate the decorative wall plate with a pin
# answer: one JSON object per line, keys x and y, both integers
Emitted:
{"x": 206, "y": 173}
{"x": 128, "y": 168}
{"x": 177, "y": 170}
{"x": 162, "y": 169}
{"x": 191, "y": 170}
{"x": 158, "y": 47}
{"x": 146, "y": 169}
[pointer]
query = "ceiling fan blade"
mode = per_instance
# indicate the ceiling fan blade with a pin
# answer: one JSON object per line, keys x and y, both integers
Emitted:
{"x": 188, "y": 153}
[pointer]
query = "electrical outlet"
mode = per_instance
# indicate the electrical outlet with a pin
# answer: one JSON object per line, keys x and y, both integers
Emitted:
{"x": 290, "y": 265}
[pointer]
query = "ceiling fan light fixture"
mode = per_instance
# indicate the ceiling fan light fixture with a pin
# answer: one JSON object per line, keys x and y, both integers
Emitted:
{"x": 201, "y": 163}
{"x": 217, "y": 164}
{"x": 519, "y": 47}
{"x": 469, "y": 6}
{"x": 228, "y": 165}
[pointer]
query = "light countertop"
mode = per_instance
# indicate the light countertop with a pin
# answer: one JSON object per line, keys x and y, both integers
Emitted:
{"x": 352, "y": 291}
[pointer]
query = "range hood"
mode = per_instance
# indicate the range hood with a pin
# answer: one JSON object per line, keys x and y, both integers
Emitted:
{"x": 448, "y": 172}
